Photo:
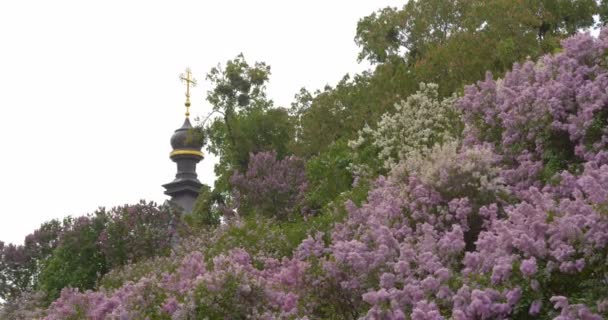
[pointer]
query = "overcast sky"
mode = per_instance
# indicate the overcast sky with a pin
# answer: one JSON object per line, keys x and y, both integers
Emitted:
{"x": 90, "y": 91}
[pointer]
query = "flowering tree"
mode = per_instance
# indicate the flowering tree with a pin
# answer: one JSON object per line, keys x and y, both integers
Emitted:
{"x": 90, "y": 246}
{"x": 544, "y": 116}
{"x": 418, "y": 123}
{"x": 78, "y": 251}
{"x": 270, "y": 186}
{"x": 139, "y": 231}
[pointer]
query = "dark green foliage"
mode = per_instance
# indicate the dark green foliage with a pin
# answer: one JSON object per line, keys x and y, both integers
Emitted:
{"x": 205, "y": 212}
{"x": 329, "y": 175}
{"x": 340, "y": 112}
{"x": 79, "y": 251}
{"x": 558, "y": 155}
{"x": 260, "y": 130}
{"x": 259, "y": 235}
{"x": 603, "y": 12}
{"x": 595, "y": 130}
{"x": 419, "y": 27}
{"x": 78, "y": 260}
{"x": 21, "y": 265}
{"x": 238, "y": 85}
{"x": 254, "y": 131}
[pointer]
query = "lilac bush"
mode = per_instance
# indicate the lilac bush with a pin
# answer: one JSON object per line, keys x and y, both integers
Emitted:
{"x": 138, "y": 231}
{"x": 270, "y": 186}
{"x": 544, "y": 116}
{"x": 415, "y": 265}
{"x": 78, "y": 251}
{"x": 233, "y": 287}
{"x": 27, "y": 305}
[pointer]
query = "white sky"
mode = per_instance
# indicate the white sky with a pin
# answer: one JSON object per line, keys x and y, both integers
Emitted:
{"x": 89, "y": 91}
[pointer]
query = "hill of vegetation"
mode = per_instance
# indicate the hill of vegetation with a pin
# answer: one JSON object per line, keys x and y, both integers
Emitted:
{"x": 464, "y": 177}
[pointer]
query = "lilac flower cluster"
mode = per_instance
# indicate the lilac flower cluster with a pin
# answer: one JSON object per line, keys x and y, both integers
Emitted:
{"x": 193, "y": 291}
{"x": 544, "y": 116}
{"x": 138, "y": 231}
{"x": 415, "y": 265}
{"x": 270, "y": 185}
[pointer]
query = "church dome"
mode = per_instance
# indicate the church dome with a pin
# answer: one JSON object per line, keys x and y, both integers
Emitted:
{"x": 184, "y": 139}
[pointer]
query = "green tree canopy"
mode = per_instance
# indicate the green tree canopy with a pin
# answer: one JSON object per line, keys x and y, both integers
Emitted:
{"x": 451, "y": 43}
{"x": 248, "y": 122}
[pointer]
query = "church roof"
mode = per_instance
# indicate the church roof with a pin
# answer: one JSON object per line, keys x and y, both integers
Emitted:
{"x": 186, "y": 138}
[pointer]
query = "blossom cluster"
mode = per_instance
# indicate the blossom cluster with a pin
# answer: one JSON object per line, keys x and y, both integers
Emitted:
{"x": 270, "y": 185}
{"x": 405, "y": 254}
{"x": 418, "y": 123}
{"x": 232, "y": 288}
{"x": 544, "y": 116}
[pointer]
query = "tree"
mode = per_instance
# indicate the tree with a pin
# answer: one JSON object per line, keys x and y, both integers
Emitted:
{"x": 389, "y": 32}
{"x": 20, "y": 265}
{"x": 76, "y": 252}
{"x": 450, "y": 43}
{"x": 78, "y": 260}
{"x": 237, "y": 86}
{"x": 340, "y": 112}
{"x": 137, "y": 232}
{"x": 248, "y": 123}
{"x": 603, "y": 12}
{"x": 421, "y": 25}
{"x": 329, "y": 174}
{"x": 420, "y": 122}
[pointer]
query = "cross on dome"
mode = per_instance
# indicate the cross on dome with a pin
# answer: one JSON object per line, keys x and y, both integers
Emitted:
{"x": 187, "y": 78}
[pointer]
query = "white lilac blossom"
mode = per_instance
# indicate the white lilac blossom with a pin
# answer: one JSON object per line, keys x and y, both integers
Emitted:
{"x": 418, "y": 123}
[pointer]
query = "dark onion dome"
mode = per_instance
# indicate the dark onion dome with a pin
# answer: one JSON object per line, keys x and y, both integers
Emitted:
{"x": 184, "y": 142}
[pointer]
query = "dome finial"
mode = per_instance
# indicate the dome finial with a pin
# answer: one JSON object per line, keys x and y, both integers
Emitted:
{"x": 189, "y": 81}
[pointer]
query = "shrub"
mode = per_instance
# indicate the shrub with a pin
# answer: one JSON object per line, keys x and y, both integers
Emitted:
{"x": 138, "y": 231}
{"x": 270, "y": 186}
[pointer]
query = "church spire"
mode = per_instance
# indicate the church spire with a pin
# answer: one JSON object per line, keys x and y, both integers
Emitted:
{"x": 184, "y": 189}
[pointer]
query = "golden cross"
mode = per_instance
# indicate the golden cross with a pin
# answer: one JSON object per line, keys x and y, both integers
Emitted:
{"x": 188, "y": 80}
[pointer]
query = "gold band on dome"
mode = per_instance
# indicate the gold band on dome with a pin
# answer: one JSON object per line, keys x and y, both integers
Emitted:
{"x": 185, "y": 152}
